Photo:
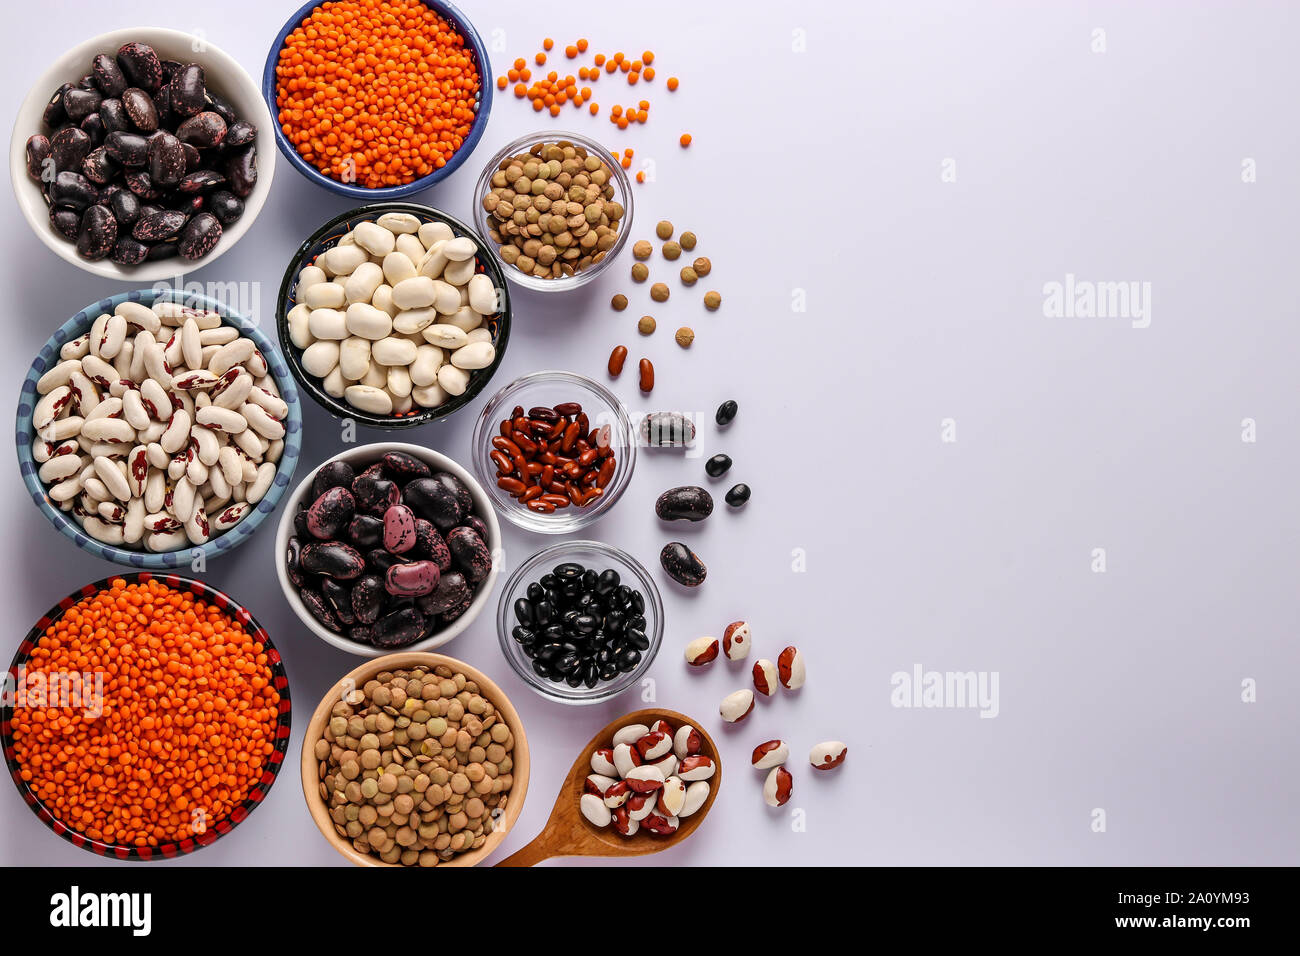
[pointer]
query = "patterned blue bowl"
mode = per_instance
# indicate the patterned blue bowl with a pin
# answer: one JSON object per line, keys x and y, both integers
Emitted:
{"x": 473, "y": 46}
{"x": 25, "y": 433}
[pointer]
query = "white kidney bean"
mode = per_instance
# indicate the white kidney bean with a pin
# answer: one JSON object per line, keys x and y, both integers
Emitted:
{"x": 475, "y": 355}
{"x": 696, "y": 794}
{"x": 400, "y": 280}
{"x": 594, "y": 809}
{"x": 778, "y": 787}
{"x": 791, "y": 668}
{"x": 369, "y": 398}
{"x": 771, "y": 753}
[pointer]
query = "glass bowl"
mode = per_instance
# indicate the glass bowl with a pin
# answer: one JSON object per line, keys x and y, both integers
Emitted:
{"x": 551, "y": 388}
{"x": 474, "y": 48}
{"x": 591, "y": 554}
{"x": 484, "y": 222}
{"x": 326, "y": 237}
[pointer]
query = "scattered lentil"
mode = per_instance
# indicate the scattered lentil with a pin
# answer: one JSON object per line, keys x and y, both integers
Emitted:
{"x": 659, "y": 292}
{"x": 688, "y": 240}
{"x": 689, "y": 276}
{"x": 712, "y": 300}
{"x": 642, "y": 249}
{"x": 672, "y": 250}
{"x": 685, "y": 336}
{"x": 619, "y": 302}
{"x": 640, "y": 272}
{"x": 664, "y": 229}
{"x": 702, "y": 266}
{"x": 646, "y": 325}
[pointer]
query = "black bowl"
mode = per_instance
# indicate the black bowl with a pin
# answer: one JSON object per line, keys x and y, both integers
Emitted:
{"x": 328, "y": 236}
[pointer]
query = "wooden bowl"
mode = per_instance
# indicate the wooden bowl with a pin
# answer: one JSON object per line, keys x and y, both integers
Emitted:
{"x": 569, "y": 833}
{"x": 358, "y": 678}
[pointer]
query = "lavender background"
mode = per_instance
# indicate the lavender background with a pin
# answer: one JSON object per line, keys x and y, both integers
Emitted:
{"x": 820, "y": 168}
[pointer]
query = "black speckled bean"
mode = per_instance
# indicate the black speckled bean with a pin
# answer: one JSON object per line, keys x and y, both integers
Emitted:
{"x": 38, "y": 151}
{"x": 66, "y": 222}
{"x": 99, "y": 167}
{"x": 125, "y": 206}
{"x": 69, "y": 147}
{"x": 79, "y": 103}
{"x": 108, "y": 75}
{"x": 128, "y": 251}
{"x": 159, "y": 226}
{"x": 365, "y": 532}
{"x": 53, "y": 115}
{"x": 185, "y": 89}
{"x": 239, "y": 134}
{"x": 339, "y": 599}
{"x": 403, "y": 467}
{"x": 141, "y": 109}
{"x": 202, "y": 130}
{"x": 403, "y": 626}
{"x": 226, "y": 206}
{"x": 319, "y": 607}
{"x": 329, "y": 513}
{"x": 141, "y": 66}
{"x": 368, "y": 596}
{"x": 241, "y": 170}
{"x": 682, "y": 564}
{"x": 689, "y": 502}
{"x": 332, "y": 474}
{"x": 129, "y": 149}
{"x": 469, "y": 553}
{"x": 166, "y": 159}
{"x": 333, "y": 558}
{"x": 452, "y": 589}
{"x": 73, "y": 191}
{"x": 98, "y": 233}
{"x": 200, "y": 181}
{"x": 200, "y": 234}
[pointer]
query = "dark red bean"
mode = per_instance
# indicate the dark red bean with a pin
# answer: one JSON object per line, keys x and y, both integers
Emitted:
{"x": 568, "y": 409}
{"x": 511, "y": 485}
{"x": 505, "y": 445}
{"x": 647, "y": 380}
{"x": 560, "y": 501}
{"x": 543, "y": 507}
{"x": 502, "y": 461}
{"x": 606, "y": 473}
{"x": 542, "y": 413}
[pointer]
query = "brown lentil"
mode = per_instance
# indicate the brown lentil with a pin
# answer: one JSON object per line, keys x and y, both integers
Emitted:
{"x": 659, "y": 292}
{"x": 394, "y": 775}
{"x": 685, "y": 336}
{"x": 702, "y": 266}
{"x": 672, "y": 250}
{"x": 646, "y": 325}
{"x": 552, "y": 210}
{"x": 712, "y": 300}
{"x": 688, "y": 240}
{"x": 689, "y": 276}
{"x": 619, "y": 302}
{"x": 640, "y": 272}
{"x": 664, "y": 230}
{"x": 642, "y": 249}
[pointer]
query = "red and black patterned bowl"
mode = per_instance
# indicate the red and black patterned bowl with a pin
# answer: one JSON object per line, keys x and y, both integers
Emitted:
{"x": 218, "y": 829}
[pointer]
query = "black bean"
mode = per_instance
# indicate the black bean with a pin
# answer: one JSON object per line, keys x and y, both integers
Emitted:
{"x": 436, "y": 501}
{"x": 53, "y": 115}
{"x": 139, "y": 182}
{"x": 161, "y": 250}
{"x": 717, "y": 466}
{"x": 319, "y": 607}
{"x": 332, "y": 558}
{"x": 403, "y": 626}
{"x": 200, "y": 180}
{"x": 689, "y": 502}
{"x": 682, "y": 564}
{"x": 199, "y": 236}
{"x": 365, "y": 532}
{"x": 738, "y": 495}
{"x": 220, "y": 107}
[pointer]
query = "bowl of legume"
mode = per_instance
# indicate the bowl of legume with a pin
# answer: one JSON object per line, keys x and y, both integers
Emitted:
{"x": 415, "y": 760}
{"x": 165, "y": 457}
{"x": 332, "y": 78}
{"x": 91, "y": 183}
{"x": 555, "y": 209}
{"x": 111, "y": 739}
{"x": 380, "y": 324}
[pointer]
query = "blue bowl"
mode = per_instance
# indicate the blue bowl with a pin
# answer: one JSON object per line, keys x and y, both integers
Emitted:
{"x": 478, "y": 53}
{"x": 24, "y": 433}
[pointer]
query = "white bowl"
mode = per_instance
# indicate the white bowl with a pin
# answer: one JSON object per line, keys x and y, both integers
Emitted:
{"x": 360, "y": 457}
{"x": 221, "y": 72}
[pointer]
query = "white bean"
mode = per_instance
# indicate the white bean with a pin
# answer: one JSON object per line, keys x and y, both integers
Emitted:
{"x": 369, "y": 399}
{"x": 366, "y": 278}
{"x": 368, "y": 322}
{"x": 374, "y": 238}
{"x": 475, "y": 355}
{"x": 354, "y": 358}
{"x": 399, "y": 222}
{"x": 321, "y": 358}
{"x": 453, "y": 380}
{"x": 393, "y": 351}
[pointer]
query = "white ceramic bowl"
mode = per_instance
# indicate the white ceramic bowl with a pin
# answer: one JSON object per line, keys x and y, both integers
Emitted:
{"x": 359, "y": 458}
{"x": 221, "y": 73}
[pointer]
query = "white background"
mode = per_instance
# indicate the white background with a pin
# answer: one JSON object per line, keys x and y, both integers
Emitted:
{"x": 818, "y": 168}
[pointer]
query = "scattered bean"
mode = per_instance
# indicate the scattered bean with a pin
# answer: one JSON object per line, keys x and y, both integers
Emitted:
{"x": 689, "y": 502}
{"x": 726, "y": 412}
{"x": 717, "y": 466}
{"x": 736, "y": 641}
{"x": 647, "y": 375}
{"x": 685, "y": 336}
{"x": 764, "y": 673}
{"x": 738, "y": 495}
{"x": 689, "y": 276}
{"x": 702, "y": 266}
{"x": 828, "y": 755}
{"x": 682, "y": 564}
{"x": 616, "y": 360}
{"x": 701, "y": 651}
{"x": 769, "y": 754}
{"x": 790, "y": 666}
{"x": 671, "y": 251}
{"x": 736, "y": 706}
{"x": 778, "y": 787}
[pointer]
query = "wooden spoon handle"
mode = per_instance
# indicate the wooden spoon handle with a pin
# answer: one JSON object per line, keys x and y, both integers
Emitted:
{"x": 542, "y": 848}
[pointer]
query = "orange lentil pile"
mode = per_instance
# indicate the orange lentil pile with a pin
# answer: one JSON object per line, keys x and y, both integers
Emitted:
{"x": 552, "y": 92}
{"x": 376, "y": 92}
{"x": 187, "y": 725}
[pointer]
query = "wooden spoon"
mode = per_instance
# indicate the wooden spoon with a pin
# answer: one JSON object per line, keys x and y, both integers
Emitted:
{"x": 569, "y": 833}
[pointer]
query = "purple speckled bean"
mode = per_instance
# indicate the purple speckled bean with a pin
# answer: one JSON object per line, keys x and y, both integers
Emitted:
{"x": 399, "y": 529}
{"x": 412, "y": 580}
{"x": 330, "y": 512}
